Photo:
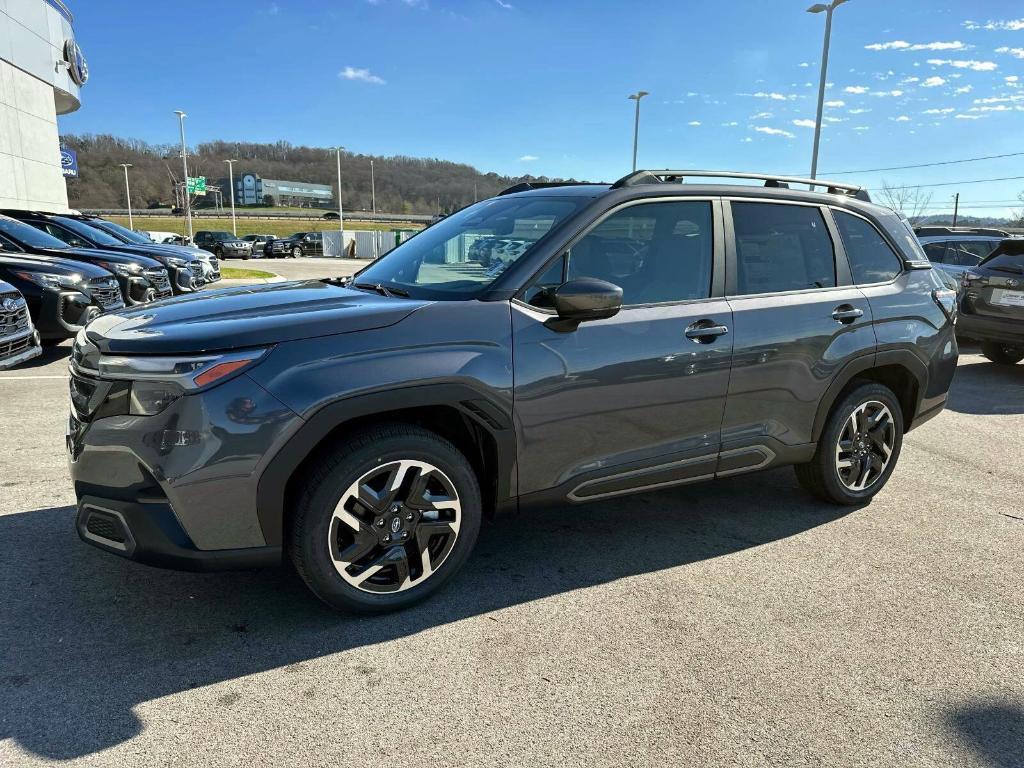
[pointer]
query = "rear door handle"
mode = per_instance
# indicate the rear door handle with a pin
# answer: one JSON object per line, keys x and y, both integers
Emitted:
{"x": 705, "y": 331}
{"x": 846, "y": 313}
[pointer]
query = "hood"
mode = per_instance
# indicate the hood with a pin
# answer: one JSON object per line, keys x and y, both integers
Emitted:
{"x": 181, "y": 251}
{"x": 93, "y": 255}
{"x": 51, "y": 264}
{"x": 152, "y": 251}
{"x": 246, "y": 316}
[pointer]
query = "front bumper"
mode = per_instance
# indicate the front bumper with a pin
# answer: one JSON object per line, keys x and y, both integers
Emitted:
{"x": 62, "y": 313}
{"x": 15, "y": 350}
{"x": 184, "y": 481}
{"x": 984, "y": 328}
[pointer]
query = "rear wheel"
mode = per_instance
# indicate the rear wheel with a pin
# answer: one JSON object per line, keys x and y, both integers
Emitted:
{"x": 858, "y": 448}
{"x": 1004, "y": 354}
{"x": 385, "y": 520}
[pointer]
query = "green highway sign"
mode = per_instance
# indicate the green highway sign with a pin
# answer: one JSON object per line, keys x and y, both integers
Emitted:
{"x": 196, "y": 185}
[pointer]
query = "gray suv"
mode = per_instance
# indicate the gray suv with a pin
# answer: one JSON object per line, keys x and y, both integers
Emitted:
{"x": 554, "y": 344}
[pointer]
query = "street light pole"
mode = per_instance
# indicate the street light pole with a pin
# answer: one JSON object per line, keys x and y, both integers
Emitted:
{"x": 373, "y": 190}
{"x": 341, "y": 209}
{"x": 956, "y": 207}
{"x": 818, "y": 8}
{"x": 231, "y": 183}
{"x": 128, "y": 194}
{"x": 636, "y": 121}
{"x": 184, "y": 164}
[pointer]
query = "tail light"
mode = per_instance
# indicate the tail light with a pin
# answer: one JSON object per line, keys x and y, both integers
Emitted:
{"x": 946, "y": 300}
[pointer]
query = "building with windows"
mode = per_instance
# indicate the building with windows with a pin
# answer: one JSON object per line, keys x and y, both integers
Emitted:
{"x": 252, "y": 189}
{"x": 42, "y": 70}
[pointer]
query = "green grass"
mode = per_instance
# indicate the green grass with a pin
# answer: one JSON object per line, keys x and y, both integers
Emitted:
{"x": 280, "y": 228}
{"x": 234, "y": 273}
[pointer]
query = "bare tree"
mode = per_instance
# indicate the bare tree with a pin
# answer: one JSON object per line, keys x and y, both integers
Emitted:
{"x": 1017, "y": 216}
{"x": 912, "y": 202}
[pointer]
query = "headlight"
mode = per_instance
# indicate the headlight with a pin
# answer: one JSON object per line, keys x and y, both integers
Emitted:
{"x": 52, "y": 281}
{"x": 125, "y": 270}
{"x": 159, "y": 381}
{"x": 176, "y": 262}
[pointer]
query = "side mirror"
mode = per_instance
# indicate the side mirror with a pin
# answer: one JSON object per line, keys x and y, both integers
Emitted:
{"x": 586, "y": 298}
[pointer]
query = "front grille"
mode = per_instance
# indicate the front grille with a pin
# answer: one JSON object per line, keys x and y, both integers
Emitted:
{"x": 161, "y": 283}
{"x": 105, "y": 526}
{"x": 11, "y": 348}
{"x": 106, "y": 293}
{"x": 13, "y": 314}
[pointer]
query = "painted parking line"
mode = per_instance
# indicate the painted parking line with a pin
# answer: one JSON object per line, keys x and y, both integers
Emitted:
{"x": 29, "y": 378}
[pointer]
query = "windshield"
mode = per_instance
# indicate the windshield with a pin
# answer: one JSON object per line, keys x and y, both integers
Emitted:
{"x": 92, "y": 234}
{"x": 222, "y": 236}
{"x": 461, "y": 255}
{"x": 128, "y": 235}
{"x": 29, "y": 235}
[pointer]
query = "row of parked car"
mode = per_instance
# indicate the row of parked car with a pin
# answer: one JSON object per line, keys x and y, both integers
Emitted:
{"x": 59, "y": 271}
{"x": 986, "y": 267}
{"x": 225, "y": 245}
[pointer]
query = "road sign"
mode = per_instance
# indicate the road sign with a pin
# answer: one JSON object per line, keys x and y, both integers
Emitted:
{"x": 197, "y": 185}
{"x": 69, "y": 162}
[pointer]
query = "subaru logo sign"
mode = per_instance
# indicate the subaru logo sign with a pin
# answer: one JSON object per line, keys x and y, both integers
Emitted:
{"x": 77, "y": 66}
{"x": 10, "y": 304}
{"x": 69, "y": 162}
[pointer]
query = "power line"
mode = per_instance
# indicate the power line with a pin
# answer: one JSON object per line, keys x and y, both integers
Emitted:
{"x": 923, "y": 165}
{"x": 952, "y": 183}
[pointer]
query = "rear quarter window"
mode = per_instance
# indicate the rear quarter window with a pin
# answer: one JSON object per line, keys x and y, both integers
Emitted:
{"x": 871, "y": 258}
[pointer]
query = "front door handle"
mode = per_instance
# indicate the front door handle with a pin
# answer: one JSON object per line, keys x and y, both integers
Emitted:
{"x": 846, "y": 313}
{"x": 705, "y": 331}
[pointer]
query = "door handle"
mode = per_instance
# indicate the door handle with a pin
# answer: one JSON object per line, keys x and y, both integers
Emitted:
{"x": 846, "y": 313}
{"x": 705, "y": 331}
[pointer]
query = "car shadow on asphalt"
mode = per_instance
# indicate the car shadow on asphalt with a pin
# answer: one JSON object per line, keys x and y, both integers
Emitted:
{"x": 994, "y": 731}
{"x": 987, "y": 389}
{"x": 87, "y": 636}
{"x": 49, "y": 355}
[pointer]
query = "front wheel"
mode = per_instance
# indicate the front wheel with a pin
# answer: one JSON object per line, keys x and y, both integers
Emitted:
{"x": 858, "y": 447}
{"x": 1003, "y": 354}
{"x": 296, "y": 252}
{"x": 387, "y": 518}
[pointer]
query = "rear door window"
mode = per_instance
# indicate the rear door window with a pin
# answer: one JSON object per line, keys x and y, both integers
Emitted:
{"x": 781, "y": 247}
{"x": 871, "y": 258}
{"x": 936, "y": 252}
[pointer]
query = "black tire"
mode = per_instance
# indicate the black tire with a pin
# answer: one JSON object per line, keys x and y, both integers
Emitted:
{"x": 1003, "y": 354}
{"x": 296, "y": 252}
{"x": 821, "y": 476}
{"x": 327, "y": 481}
{"x": 219, "y": 253}
{"x": 51, "y": 343}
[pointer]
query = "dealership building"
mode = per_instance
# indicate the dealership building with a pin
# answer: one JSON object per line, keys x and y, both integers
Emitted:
{"x": 252, "y": 189}
{"x": 41, "y": 72}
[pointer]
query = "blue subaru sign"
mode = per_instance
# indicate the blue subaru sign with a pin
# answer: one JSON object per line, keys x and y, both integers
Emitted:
{"x": 69, "y": 162}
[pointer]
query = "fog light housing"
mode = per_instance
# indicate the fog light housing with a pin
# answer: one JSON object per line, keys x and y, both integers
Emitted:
{"x": 149, "y": 398}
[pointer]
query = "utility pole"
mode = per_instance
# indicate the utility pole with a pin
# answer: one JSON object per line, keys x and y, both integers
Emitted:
{"x": 956, "y": 207}
{"x": 373, "y": 190}
{"x": 184, "y": 164}
{"x": 128, "y": 194}
{"x": 636, "y": 121}
{"x": 341, "y": 210}
{"x": 231, "y": 183}
{"x": 818, "y": 8}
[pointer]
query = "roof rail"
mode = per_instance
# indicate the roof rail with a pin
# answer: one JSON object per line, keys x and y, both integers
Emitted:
{"x": 525, "y": 186}
{"x": 926, "y": 231}
{"x": 770, "y": 180}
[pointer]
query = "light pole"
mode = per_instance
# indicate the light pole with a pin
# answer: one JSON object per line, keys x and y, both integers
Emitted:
{"x": 341, "y": 210}
{"x": 184, "y": 164}
{"x": 373, "y": 190}
{"x": 818, "y": 8}
{"x": 231, "y": 183}
{"x": 636, "y": 122}
{"x": 128, "y": 194}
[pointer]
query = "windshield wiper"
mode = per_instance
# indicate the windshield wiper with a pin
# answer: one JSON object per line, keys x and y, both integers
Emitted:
{"x": 383, "y": 290}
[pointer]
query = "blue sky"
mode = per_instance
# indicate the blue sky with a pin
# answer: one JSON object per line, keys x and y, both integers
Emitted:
{"x": 540, "y": 86}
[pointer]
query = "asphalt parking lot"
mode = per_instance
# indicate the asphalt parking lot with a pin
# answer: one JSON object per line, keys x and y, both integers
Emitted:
{"x": 733, "y": 623}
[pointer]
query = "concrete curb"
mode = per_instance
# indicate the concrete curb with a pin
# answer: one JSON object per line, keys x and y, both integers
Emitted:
{"x": 229, "y": 281}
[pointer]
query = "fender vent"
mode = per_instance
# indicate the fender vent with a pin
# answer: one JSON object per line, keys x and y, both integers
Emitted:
{"x": 481, "y": 411}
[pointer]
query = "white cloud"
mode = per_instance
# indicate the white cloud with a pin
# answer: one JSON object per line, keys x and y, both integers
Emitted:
{"x": 804, "y": 123}
{"x": 828, "y": 119}
{"x": 964, "y": 89}
{"x": 903, "y": 45}
{"x": 730, "y": 124}
{"x": 835, "y": 103}
{"x": 968, "y": 117}
{"x": 895, "y": 92}
{"x": 1011, "y": 25}
{"x": 804, "y": 64}
{"x": 933, "y": 82}
{"x": 773, "y": 96}
{"x": 856, "y": 89}
{"x": 996, "y": 108}
{"x": 762, "y": 116}
{"x": 746, "y": 140}
{"x": 901, "y": 119}
{"x": 861, "y": 128}
{"x": 774, "y": 131}
{"x": 363, "y": 75}
{"x": 1015, "y": 52}
{"x": 859, "y": 111}
{"x": 503, "y": 4}
{"x": 1000, "y": 99}
{"x": 939, "y": 111}
{"x": 972, "y": 64}
{"x": 1012, "y": 79}
{"x": 694, "y": 122}
{"x": 910, "y": 80}
{"x": 528, "y": 158}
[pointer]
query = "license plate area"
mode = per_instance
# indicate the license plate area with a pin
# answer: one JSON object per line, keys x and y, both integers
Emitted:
{"x": 1006, "y": 298}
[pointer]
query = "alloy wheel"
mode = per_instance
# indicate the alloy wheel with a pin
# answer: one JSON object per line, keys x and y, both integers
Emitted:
{"x": 394, "y": 526}
{"x": 865, "y": 445}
